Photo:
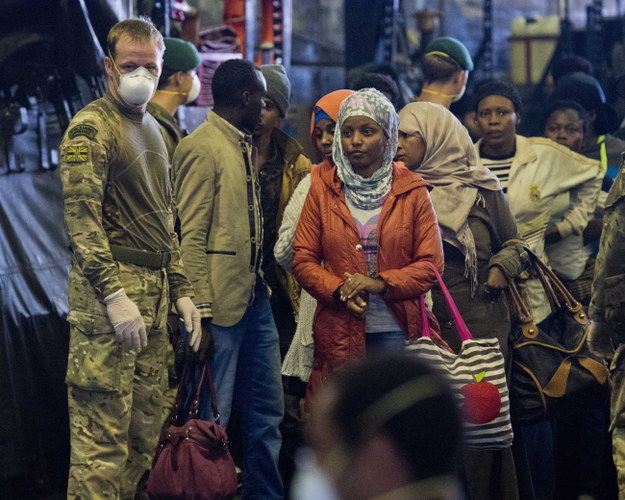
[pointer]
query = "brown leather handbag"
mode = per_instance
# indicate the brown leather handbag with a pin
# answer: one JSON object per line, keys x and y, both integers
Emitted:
{"x": 193, "y": 460}
{"x": 553, "y": 372}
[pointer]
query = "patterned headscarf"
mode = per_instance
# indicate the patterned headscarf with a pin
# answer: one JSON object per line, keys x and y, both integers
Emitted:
{"x": 450, "y": 164}
{"x": 369, "y": 193}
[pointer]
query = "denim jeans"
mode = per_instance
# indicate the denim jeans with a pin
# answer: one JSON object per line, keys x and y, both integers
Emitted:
{"x": 381, "y": 342}
{"x": 246, "y": 373}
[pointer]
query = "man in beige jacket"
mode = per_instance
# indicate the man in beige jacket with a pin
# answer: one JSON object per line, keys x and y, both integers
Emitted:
{"x": 217, "y": 189}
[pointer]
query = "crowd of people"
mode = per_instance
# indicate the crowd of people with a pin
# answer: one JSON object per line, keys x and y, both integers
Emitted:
{"x": 302, "y": 284}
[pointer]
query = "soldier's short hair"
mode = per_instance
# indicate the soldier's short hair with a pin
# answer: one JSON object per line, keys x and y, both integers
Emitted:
{"x": 231, "y": 79}
{"x": 138, "y": 29}
{"x": 438, "y": 69}
{"x": 163, "y": 80}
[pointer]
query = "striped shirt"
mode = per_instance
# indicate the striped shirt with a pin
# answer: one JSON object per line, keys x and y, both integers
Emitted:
{"x": 500, "y": 167}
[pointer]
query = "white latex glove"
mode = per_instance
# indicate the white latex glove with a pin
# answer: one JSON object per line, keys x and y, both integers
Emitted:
{"x": 127, "y": 321}
{"x": 191, "y": 319}
{"x": 600, "y": 340}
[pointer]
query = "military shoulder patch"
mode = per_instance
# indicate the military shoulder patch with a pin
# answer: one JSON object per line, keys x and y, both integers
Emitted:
{"x": 82, "y": 129}
{"x": 77, "y": 154}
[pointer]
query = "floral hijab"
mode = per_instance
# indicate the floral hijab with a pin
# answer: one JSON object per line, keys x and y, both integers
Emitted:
{"x": 367, "y": 193}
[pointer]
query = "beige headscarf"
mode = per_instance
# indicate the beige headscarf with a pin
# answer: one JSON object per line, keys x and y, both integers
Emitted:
{"x": 450, "y": 166}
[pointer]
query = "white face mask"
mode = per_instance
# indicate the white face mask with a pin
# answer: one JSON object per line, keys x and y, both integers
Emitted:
{"x": 137, "y": 87}
{"x": 194, "y": 91}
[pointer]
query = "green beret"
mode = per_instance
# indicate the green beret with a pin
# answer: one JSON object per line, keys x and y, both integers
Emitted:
{"x": 451, "y": 48}
{"x": 180, "y": 55}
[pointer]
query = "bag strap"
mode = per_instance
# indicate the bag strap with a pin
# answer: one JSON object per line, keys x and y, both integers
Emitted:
{"x": 205, "y": 377}
{"x": 461, "y": 326}
{"x": 555, "y": 282}
{"x": 549, "y": 281}
{"x": 555, "y": 289}
{"x": 554, "y": 303}
{"x": 519, "y": 310}
{"x": 175, "y": 413}
{"x": 195, "y": 405}
{"x": 425, "y": 324}
{"x": 512, "y": 241}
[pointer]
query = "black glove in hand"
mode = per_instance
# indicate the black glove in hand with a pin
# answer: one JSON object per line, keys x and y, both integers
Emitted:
{"x": 489, "y": 293}
{"x": 206, "y": 343}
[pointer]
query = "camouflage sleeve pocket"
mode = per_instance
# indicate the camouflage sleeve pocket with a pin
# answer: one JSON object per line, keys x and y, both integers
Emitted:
{"x": 96, "y": 360}
{"x": 614, "y": 301}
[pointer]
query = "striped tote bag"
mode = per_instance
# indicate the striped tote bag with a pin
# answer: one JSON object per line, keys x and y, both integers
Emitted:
{"x": 477, "y": 374}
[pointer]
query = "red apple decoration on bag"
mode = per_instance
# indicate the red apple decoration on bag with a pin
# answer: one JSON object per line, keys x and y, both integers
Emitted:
{"x": 482, "y": 401}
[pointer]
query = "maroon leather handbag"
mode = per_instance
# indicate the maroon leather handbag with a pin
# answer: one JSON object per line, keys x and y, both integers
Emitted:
{"x": 192, "y": 459}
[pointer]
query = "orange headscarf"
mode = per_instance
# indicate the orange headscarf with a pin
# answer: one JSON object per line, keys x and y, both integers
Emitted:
{"x": 330, "y": 105}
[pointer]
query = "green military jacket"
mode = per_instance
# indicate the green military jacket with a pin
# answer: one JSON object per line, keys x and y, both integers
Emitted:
{"x": 116, "y": 189}
{"x": 608, "y": 288}
{"x": 172, "y": 133}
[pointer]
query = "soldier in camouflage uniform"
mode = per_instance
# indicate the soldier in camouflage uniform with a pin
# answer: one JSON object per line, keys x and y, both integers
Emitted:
{"x": 607, "y": 310}
{"x": 177, "y": 85}
{"x": 126, "y": 269}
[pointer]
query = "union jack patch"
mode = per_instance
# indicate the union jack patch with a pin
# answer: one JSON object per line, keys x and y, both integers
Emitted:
{"x": 77, "y": 154}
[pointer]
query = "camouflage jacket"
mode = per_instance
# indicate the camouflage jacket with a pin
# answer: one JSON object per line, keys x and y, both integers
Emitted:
{"x": 172, "y": 133}
{"x": 608, "y": 287}
{"x": 116, "y": 188}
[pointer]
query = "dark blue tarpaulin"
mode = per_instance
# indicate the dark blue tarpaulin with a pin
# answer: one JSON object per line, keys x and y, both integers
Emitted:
{"x": 34, "y": 260}
{"x": 50, "y": 67}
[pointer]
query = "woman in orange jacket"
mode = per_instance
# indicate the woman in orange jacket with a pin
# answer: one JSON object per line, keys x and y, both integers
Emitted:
{"x": 365, "y": 234}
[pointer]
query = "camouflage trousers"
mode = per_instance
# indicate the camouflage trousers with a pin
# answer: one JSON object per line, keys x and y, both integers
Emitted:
{"x": 115, "y": 395}
{"x": 617, "y": 410}
{"x": 170, "y": 390}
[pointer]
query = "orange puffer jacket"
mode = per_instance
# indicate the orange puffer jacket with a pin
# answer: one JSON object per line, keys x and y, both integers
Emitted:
{"x": 408, "y": 236}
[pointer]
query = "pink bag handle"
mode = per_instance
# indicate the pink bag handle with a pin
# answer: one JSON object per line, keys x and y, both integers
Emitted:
{"x": 461, "y": 326}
